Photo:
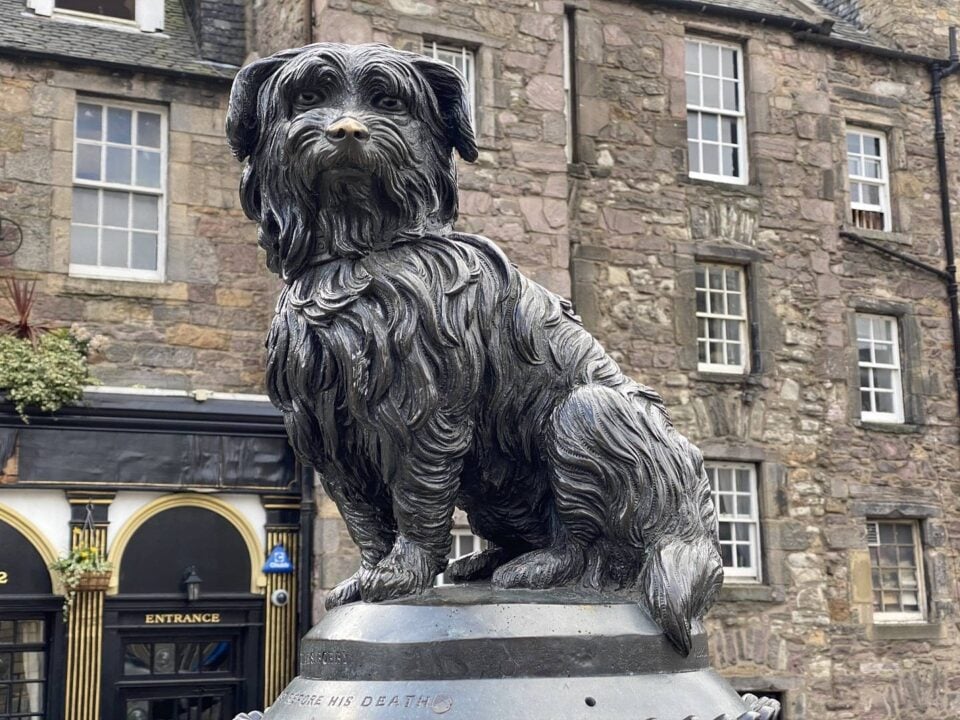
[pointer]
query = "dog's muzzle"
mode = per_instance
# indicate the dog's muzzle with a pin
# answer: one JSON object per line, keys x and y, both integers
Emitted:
{"x": 347, "y": 131}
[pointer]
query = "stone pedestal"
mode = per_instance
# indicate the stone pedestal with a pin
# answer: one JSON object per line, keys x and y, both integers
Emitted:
{"x": 473, "y": 653}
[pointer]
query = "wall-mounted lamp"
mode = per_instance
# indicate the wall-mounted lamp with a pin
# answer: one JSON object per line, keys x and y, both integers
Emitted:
{"x": 191, "y": 581}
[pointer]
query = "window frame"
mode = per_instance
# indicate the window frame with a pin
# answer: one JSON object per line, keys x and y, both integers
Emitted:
{"x": 883, "y": 181}
{"x": 899, "y": 616}
{"x": 754, "y": 573}
{"x": 43, "y": 647}
{"x": 741, "y": 115}
{"x": 897, "y": 417}
{"x": 104, "y": 272}
{"x": 743, "y": 368}
{"x": 430, "y": 47}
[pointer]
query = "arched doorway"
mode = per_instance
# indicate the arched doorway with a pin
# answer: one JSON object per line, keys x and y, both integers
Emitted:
{"x": 31, "y": 639}
{"x": 169, "y": 652}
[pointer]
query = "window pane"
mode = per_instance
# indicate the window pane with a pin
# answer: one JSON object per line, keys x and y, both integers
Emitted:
{"x": 116, "y": 209}
{"x": 729, "y": 127}
{"x": 905, "y": 536}
{"x": 853, "y": 142}
{"x": 871, "y": 146}
{"x": 855, "y": 192}
{"x": 85, "y": 206}
{"x": 872, "y": 168}
{"x": 88, "y": 162}
{"x": 710, "y": 126}
{"x": 863, "y": 327}
{"x": 870, "y": 194}
{"x": 863, "y": 353}
{"x": 711, "y": 159}
{"x": 743, "y": 481}
{"x": 725, "y": 480}
{"x": 118, "y": 165}
{"x": 113, "y": 248}
{"x": 693, "y": 89}
{"x": 136, "y": 659}
{"x": 692, "y": 57}
{"x": 733, "y": 330}
{"x": 883, "y": 378}
{"x": 730, "y": 95}
{"x": 693, "y": 127}
{"x": 710, "y": 55}
{"x": 744, "y": 505}
{"x": 711, "y": 92}
{"x": 731, "y": 165}
{"x": 164, "y": 658}
{"x": 744, "y": 558}
{"x": 148, "y": 129}
{"x": 119, "y": 122}
{"x": 853, "y": 166}
{"x": 883, "y": 353}
{"x": 728, "y": 57}
{"x": 701, "y": 304}
{"x": 725, "y": 504}
{"x": 148, "y": 168}
{"x": 216, "y": 657}
{"x": 83, "y": 245}
{"x": 733, "y": 304}
{"x": 884, "y": 402}
{"x": 89, "y": 120}
{"x": 883, "y": 329}
{"x": 145, "y": 215}
{"x": 144, "y": 251}
{"x": 121, "y": 9}
{"x": 189, "y": 661}
{"x": 866, "y": 402}
{"x": 725, "y": 532}
{"x": 694, "y": 154}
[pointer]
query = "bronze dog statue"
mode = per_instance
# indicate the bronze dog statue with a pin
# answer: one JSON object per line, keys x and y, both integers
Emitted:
{"x": 418, "y": 370}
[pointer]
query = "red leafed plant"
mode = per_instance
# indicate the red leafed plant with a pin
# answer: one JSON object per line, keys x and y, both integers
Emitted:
{"x": 21, "y": 296}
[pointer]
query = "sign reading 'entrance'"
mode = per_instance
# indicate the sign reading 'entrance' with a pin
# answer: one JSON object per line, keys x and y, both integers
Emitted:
{"x": 181, "y": 618}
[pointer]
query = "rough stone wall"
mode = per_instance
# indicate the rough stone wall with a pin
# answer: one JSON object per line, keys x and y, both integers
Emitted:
{"x": 638, "y": 225}
{"x": 919, "y": 26}
{"x": 201, "y": 328}
{"x": 220, "y": 29}
{"x": 277, "y": 25}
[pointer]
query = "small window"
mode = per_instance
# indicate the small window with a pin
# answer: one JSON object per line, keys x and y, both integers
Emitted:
{"x": 119, "y": 9}
{"x": 896, "y": 570}
{"x": 868, "y": 177}
{"x": 464, "y": 543}
{"x": 722, "y": 338}
{"x": 716, "y": 120}
{"x": 464, "y": 60}
{"x": 119, "y": 181}
{"x": 881, "y": 389}
{"x": 734, "y": 487}
{"x": 23, "y": 668}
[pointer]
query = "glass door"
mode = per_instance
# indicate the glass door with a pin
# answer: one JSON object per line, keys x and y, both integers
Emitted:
{"x": 23, "y": 668}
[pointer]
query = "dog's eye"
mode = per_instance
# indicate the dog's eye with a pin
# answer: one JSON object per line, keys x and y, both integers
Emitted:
{"x": 388, "y": 103}
{"x": 309, "y": 97}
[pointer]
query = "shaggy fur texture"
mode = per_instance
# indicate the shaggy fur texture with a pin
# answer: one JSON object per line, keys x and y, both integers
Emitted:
{"x": 418, "y": 370}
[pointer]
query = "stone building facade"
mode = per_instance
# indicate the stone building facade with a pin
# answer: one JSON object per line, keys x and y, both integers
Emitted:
{"x": 585, "y": 178}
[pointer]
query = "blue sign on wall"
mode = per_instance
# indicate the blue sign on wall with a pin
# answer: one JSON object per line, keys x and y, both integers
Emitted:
{"x": 278, "y": 561}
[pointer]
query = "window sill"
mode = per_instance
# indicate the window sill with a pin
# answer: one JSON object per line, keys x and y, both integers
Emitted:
{"x": 726, "y": 378}
{"x": 881, "y": 235}
{"x": 892, "y": 428}
{"x": 905, "y": 631}
{"x": 747, "y": 592}
{"x": 744, "y": 188}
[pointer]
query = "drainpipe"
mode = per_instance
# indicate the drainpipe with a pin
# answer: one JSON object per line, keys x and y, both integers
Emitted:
{"x": 938, "y": 73}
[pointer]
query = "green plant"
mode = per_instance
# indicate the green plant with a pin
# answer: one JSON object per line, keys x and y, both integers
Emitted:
{"x": 74, "y": 568}
{"x": 46, "y": 373}
{"x": 39, "y": 366}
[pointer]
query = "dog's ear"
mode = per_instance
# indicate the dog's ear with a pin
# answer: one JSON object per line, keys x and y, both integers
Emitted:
{"x": 242, "y": 113}
{"x": 452, "y": 96}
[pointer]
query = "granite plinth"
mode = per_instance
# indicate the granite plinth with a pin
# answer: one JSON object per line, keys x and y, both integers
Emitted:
{"x": 475, "y": 653}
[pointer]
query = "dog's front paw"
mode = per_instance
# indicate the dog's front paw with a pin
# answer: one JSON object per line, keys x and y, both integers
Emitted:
{"x": 344, "y": 593}
{"x": 407, "y": 570}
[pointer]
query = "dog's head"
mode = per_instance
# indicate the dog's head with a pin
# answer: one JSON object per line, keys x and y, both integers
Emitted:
{"x": 349, "y": 148}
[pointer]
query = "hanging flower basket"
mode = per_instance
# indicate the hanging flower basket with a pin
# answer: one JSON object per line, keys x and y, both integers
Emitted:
{"x": 92, "y": 581}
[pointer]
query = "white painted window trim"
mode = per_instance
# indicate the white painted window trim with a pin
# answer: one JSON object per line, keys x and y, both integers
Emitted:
{"x": 752, "y": 521}
{"x": 743, "y": 319}
{"x": 469, "y": 56}
{"x": 897, "y": 415}
{"x": 744, "y": 177}
{"x": 883, "y": 182}
{"x": 116, "y": 273}
{"x": 880, "y": 616}
{"x": 149, "y": 14}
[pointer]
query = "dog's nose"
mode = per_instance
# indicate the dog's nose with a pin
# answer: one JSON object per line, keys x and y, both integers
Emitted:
{"x": 347, "y": 128}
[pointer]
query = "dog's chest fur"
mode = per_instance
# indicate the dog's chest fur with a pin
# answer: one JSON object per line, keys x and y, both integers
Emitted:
{"x": 381, "y": 344}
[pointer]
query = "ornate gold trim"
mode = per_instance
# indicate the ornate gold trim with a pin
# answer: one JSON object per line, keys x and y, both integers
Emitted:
{"x": 187, "y": 499}
{"x": 280, "y": 634}
{"x": 36, "y": 538}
